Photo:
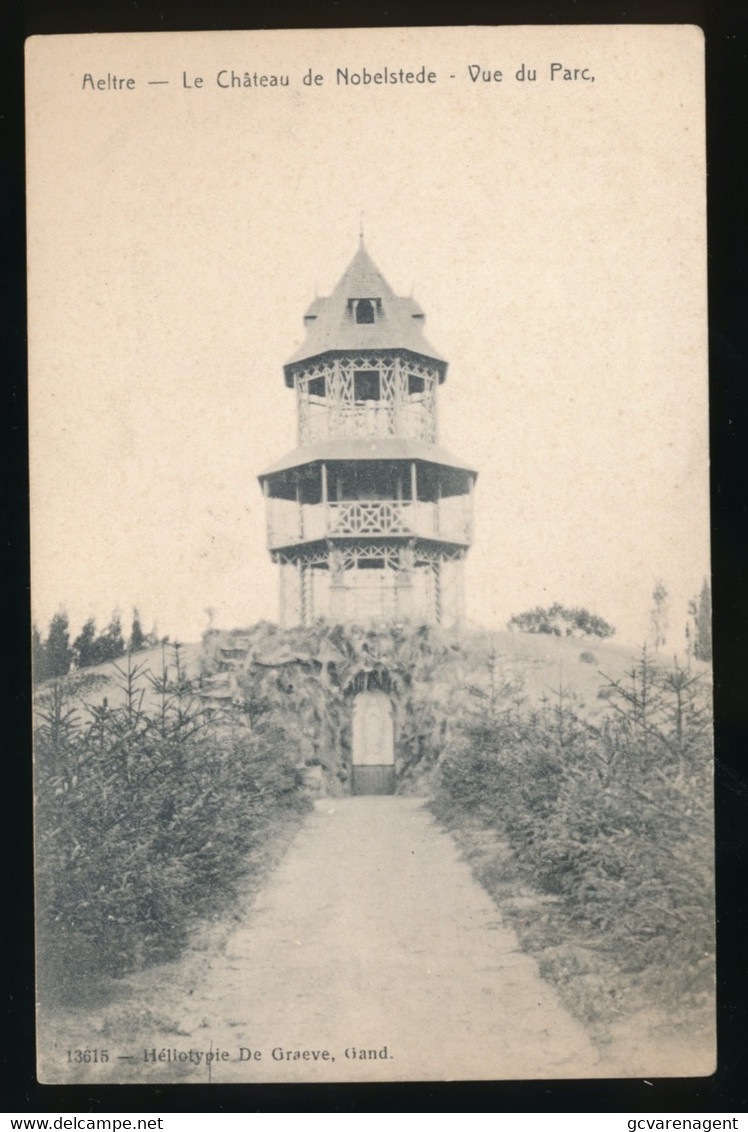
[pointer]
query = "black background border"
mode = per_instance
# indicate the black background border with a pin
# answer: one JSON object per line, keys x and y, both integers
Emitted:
{"x": 725, "y": 23}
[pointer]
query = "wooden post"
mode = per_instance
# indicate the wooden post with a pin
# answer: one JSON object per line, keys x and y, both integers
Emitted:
{"x": 401, "y": 511}
{"x": 438, "y": 591}
{"x": 300, "y": 575}
{"x": 299, "y": 510}
{"x": 469, "y": 516}
{"x": 337, "y": 583}
{"x": 268, "y": 516}
{"x": 460, "y": 593}
{"x": 323, "y": 489}
{"x": 302, "y": 392}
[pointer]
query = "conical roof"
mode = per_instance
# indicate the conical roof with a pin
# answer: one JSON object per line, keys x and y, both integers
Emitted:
{"x": 331, "y": 322}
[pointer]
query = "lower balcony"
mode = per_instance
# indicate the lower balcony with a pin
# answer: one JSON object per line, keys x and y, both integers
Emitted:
{"x": 448, "y": 520}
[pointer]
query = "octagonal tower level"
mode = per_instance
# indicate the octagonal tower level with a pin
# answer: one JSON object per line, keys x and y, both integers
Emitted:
{"x": 368, "y": 518}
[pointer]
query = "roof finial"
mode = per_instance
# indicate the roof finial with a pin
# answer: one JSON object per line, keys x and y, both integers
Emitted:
{"x": 361, "y": 228}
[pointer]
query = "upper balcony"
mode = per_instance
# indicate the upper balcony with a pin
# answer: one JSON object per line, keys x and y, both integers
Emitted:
{"x": 448, "y": 520}
{"x": 367, "y": 419}
{"x": 367, "y": 396}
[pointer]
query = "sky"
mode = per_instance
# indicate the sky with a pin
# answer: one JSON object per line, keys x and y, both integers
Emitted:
{"x": 553, "y": 233}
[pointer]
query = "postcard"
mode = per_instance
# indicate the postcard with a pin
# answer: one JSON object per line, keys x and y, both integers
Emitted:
{"x": 370, "y": 555}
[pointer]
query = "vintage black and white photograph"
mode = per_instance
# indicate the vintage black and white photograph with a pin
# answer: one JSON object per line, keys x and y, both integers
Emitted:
{"x": 370, "y": 555}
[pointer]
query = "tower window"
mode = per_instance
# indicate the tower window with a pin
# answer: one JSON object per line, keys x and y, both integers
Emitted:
{"x": 366, "y": 385}
{"x": 364, "y": 310}
{"x": 415, "y": 384}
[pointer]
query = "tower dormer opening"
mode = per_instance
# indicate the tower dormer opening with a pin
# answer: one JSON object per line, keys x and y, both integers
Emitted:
{"x": 365, "y": 311}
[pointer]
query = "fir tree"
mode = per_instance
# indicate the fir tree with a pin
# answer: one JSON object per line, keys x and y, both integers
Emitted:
{"x": 138, "y": 638}
{"x": 38, "y": 657}
{"x": 84, "y": 645}
{"x": 58, "y": 653}
{"x": 658, "y": 614}
{"x": 701, "y": 612}
{"x": 110, "y": 644}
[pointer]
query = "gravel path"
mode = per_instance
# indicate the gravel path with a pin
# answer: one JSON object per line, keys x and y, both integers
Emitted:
{"x": 371, "y": 935}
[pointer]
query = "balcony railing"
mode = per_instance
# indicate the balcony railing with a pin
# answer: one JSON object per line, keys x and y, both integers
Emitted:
{"x": 448, "y": 520}
{"x": 373, "y": 517}
{"x": 322, "y": 422}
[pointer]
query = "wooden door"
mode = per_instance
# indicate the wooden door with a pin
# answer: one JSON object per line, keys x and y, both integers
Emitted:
{"x": 373, "y": 757}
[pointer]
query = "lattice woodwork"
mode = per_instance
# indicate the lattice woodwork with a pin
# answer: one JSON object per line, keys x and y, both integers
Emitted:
{"x": 354, "y": 559}
{"x": 397, "y": 412}
{"x": 307, "y": 592}
{"x": 293, "y": 554}
{"x": 416, "y": 583}
{"x": 367, "y": 518}
{"x": 452, "y": 593}
{"x": 437, "y": 580}
{"x": 352, "y": 554}
{"x": 291, "y": 611}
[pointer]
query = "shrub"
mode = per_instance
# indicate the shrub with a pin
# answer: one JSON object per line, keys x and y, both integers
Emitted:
{"x": 616, "y": 819}
{"x": 558, "y": 621}
{"x": 144, "y": 823}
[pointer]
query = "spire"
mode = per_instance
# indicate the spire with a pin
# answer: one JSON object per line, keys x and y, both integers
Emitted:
{"x": 362, "y": 279}
{"x": 338, "y": 322}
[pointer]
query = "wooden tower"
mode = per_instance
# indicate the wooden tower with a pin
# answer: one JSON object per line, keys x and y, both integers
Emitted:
{"x": 368, "y": 518}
